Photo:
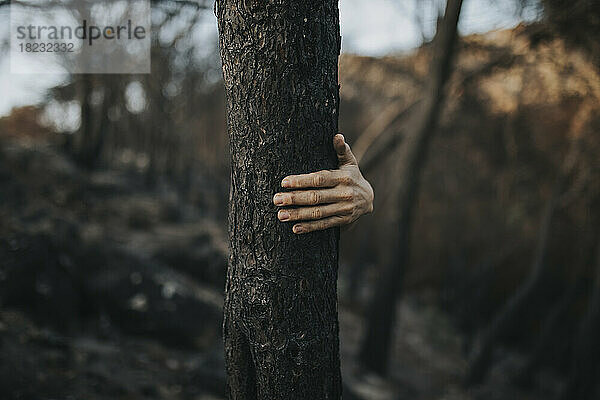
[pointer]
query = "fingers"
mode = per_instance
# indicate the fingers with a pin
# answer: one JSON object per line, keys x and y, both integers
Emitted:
{"x": 312, "y": 180}
{"x": 314, "y": 213}
{"x": 343, "y": 194}
{"x": 312, "y": 197}
{"x": 322, "y": 224}
{"x": 343, "y": 151}
{"x": 324, "y": 178}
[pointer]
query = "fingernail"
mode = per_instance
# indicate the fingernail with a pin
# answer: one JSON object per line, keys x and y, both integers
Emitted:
{"x": 278, "y": 200}
{"x": 298, "y": 229}
{"x": 285, "y": 182}
{"x": 284, "y": 215}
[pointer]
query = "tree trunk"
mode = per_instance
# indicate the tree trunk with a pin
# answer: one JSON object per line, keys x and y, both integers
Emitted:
{"x": 84, "y": 136}
{"x": 280, "y": 61}
{"x": 88, "y": 142}
{"x": 375, "y": 350}
{"x": 508, "y": 318}
{"x": 554, "y": 336}
{"x": 585, "y": 365}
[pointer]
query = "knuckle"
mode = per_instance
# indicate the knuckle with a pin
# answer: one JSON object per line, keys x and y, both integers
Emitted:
{"x": 348, "y": 195}
{"x": 318, "y": 180}
{"x": 347, "y": 179}
{"x": 314, "y": 197}
{"x": 316, "y": 213}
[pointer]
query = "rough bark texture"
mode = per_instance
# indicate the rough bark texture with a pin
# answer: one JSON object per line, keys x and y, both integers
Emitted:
{"x": 280, "y": 60}
{"x": 375, "y": 350}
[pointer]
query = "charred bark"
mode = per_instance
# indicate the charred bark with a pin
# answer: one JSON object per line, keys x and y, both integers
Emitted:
{"x": 375, "y": 348}
{"x": 280, "y": 61}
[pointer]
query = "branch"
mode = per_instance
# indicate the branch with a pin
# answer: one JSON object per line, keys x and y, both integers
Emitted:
{"x": 384, "y": 133}
{"x": 378, "y": 144}
{"x": 389, "y": 116}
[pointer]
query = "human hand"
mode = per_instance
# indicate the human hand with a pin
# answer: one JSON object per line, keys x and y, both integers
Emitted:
{"x": 324, "y": 199}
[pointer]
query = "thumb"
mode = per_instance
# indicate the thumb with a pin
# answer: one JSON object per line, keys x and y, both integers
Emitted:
{"x": 342, "y": 149}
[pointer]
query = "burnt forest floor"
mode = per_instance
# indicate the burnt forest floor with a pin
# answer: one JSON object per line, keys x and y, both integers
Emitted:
{"x": 112, "y": 290}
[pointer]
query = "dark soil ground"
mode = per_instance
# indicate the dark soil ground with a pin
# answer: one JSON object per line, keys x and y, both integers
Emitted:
{"x": 111, "y": 290}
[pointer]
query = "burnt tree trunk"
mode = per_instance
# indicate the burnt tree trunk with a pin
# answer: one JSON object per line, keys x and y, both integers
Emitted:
{"x": 509, "y": 317}
{"x": 87, "y": 145}
{"x": 583, "y": 378}
{"x": 555, "y": 334}
{"x": 85, "y": 135}
{"x": 280, "y": 61}
{"x": 375, "y": 349}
